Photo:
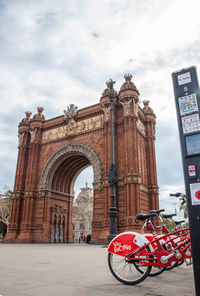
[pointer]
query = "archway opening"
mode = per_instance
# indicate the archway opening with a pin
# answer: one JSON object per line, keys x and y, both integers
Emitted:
{"x": 83, "y": 206}
{"x": 71, "y": 186}
{"x": 66, "y": 172}
{"x": 58, "y": 180}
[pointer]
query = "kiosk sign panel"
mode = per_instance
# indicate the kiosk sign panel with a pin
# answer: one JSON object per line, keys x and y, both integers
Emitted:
{"x": 188, "y": 104}
{"x": 184, "y": 78}
{"x": 187, "y": 100}
{"x": 190, "y": 123}
{"x": 195, "y": 193}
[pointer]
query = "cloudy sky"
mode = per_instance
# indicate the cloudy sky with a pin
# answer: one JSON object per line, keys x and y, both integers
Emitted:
{"x": 54, "y": 53}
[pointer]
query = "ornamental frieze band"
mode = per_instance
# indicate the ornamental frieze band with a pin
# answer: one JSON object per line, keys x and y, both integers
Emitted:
{"x": 73, "y": 128}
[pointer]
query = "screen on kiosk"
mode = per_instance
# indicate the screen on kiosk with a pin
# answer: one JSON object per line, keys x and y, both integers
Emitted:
{"x": 193, "y": 144}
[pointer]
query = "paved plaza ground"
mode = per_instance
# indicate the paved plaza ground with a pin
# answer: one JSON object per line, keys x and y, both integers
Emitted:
{"x": 77, "y": 270}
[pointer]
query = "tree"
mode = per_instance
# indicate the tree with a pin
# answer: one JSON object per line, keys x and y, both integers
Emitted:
{"x": 183, "y": 203}
{"x": 183, "y": 208}
{"x": 168, "y": 222}
{"x": 5, "y": 206}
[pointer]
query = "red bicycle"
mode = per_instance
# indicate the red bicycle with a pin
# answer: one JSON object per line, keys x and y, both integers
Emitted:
{"x": 131, "y": 256}
{"x": 149, "y": 227}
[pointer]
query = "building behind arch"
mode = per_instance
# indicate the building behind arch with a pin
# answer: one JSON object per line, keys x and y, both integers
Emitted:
{"x": 82, "y": 214}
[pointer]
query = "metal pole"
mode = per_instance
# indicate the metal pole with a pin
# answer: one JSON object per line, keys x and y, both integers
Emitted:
{"x": 112, "y": 175}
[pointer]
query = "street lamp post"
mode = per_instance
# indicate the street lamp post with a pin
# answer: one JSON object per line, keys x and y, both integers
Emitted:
{"x": 112, "y": 175}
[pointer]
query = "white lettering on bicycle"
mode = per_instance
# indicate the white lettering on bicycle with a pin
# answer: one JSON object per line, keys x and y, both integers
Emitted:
{"x": 118, "y": 247}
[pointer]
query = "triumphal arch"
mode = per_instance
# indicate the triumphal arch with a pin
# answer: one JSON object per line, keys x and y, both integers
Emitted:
{"x": 53, "y": 152}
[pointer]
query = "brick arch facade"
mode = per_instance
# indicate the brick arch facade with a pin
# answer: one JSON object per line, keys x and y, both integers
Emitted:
{"x": 79, "y": 152}
{"x": 52, "y": 152}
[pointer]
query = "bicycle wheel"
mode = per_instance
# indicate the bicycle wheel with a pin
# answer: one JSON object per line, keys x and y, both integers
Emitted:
{"x": 125, "y": 270}
{"x": 154, "y": 269}
{"x": 174, "y": 264}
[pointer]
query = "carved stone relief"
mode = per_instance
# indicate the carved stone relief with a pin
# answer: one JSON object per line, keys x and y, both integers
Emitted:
{"x": 127, "y": 106}
{"x": 141, "y": 127}
{"x": 73, "y": 128}
{"x": 135, "y": 108}
{"x": 21, "y": 137}
{"x": 71, "y": 111}
{"x": 33, "y": 134}
{"x": 106, "y": 111}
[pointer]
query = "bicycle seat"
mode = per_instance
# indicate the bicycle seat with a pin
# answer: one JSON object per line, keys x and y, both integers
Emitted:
{"x": 168, "y": 215}
{"x": 179, "y": 222}
{"x": 156, "y": 211}
{"x": 143, "y": 217}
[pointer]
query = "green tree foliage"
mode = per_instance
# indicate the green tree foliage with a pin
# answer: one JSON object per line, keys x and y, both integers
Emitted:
{"x": 169, "y": 223}
{"x": 5, "y": 206}
{"x": 183, "y": 207}
{"x": 182, "y": 203}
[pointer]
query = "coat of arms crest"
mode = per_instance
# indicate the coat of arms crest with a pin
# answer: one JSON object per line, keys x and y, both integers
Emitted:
{"x": 71, "y": 111}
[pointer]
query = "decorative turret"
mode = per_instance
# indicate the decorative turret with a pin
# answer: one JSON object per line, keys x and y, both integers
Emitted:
{"x": 151, "y": 119}
{"x": 105, "y": 95}
{"x": 39, "y": 115}
{"x": 129, "y": 96}
{"x": 35, "y": 126}
{"x": 128, "y": 87}
{"x": 105, "y": 101}
{"x": 27, "y": 119}
{"x": 147, "y": 109}
{"x": 24, "y": 127}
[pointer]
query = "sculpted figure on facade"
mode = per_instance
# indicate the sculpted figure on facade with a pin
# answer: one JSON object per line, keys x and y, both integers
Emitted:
{"x": 141, "y": 127}
{"x": 93, "y": 123}
{"x": 127, "y": 106}
{"x": 135, "y": 108}
{"x": 33, "y": 134}
{"x": 72, "y": 126}
{"x": 21, "y": 137}
{"x": 106, "y": 111}
{"x": 60, "y": 132}
{"x": 82, "y": 126}
{"x": 71, "y": 111}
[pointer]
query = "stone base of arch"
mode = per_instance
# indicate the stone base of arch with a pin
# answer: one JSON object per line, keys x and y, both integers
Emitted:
{"x": 48, "y": 205}
{"x": 38, "y": 227}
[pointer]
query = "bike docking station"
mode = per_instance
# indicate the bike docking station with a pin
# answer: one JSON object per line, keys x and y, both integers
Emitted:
{"x": 187, "y": 100}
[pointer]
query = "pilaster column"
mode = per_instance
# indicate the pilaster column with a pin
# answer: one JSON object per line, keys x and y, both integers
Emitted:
{"x": 152, "y": 176}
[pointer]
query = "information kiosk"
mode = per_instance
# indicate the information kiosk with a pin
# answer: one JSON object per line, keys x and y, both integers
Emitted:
{"x": 187, "y": 99}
